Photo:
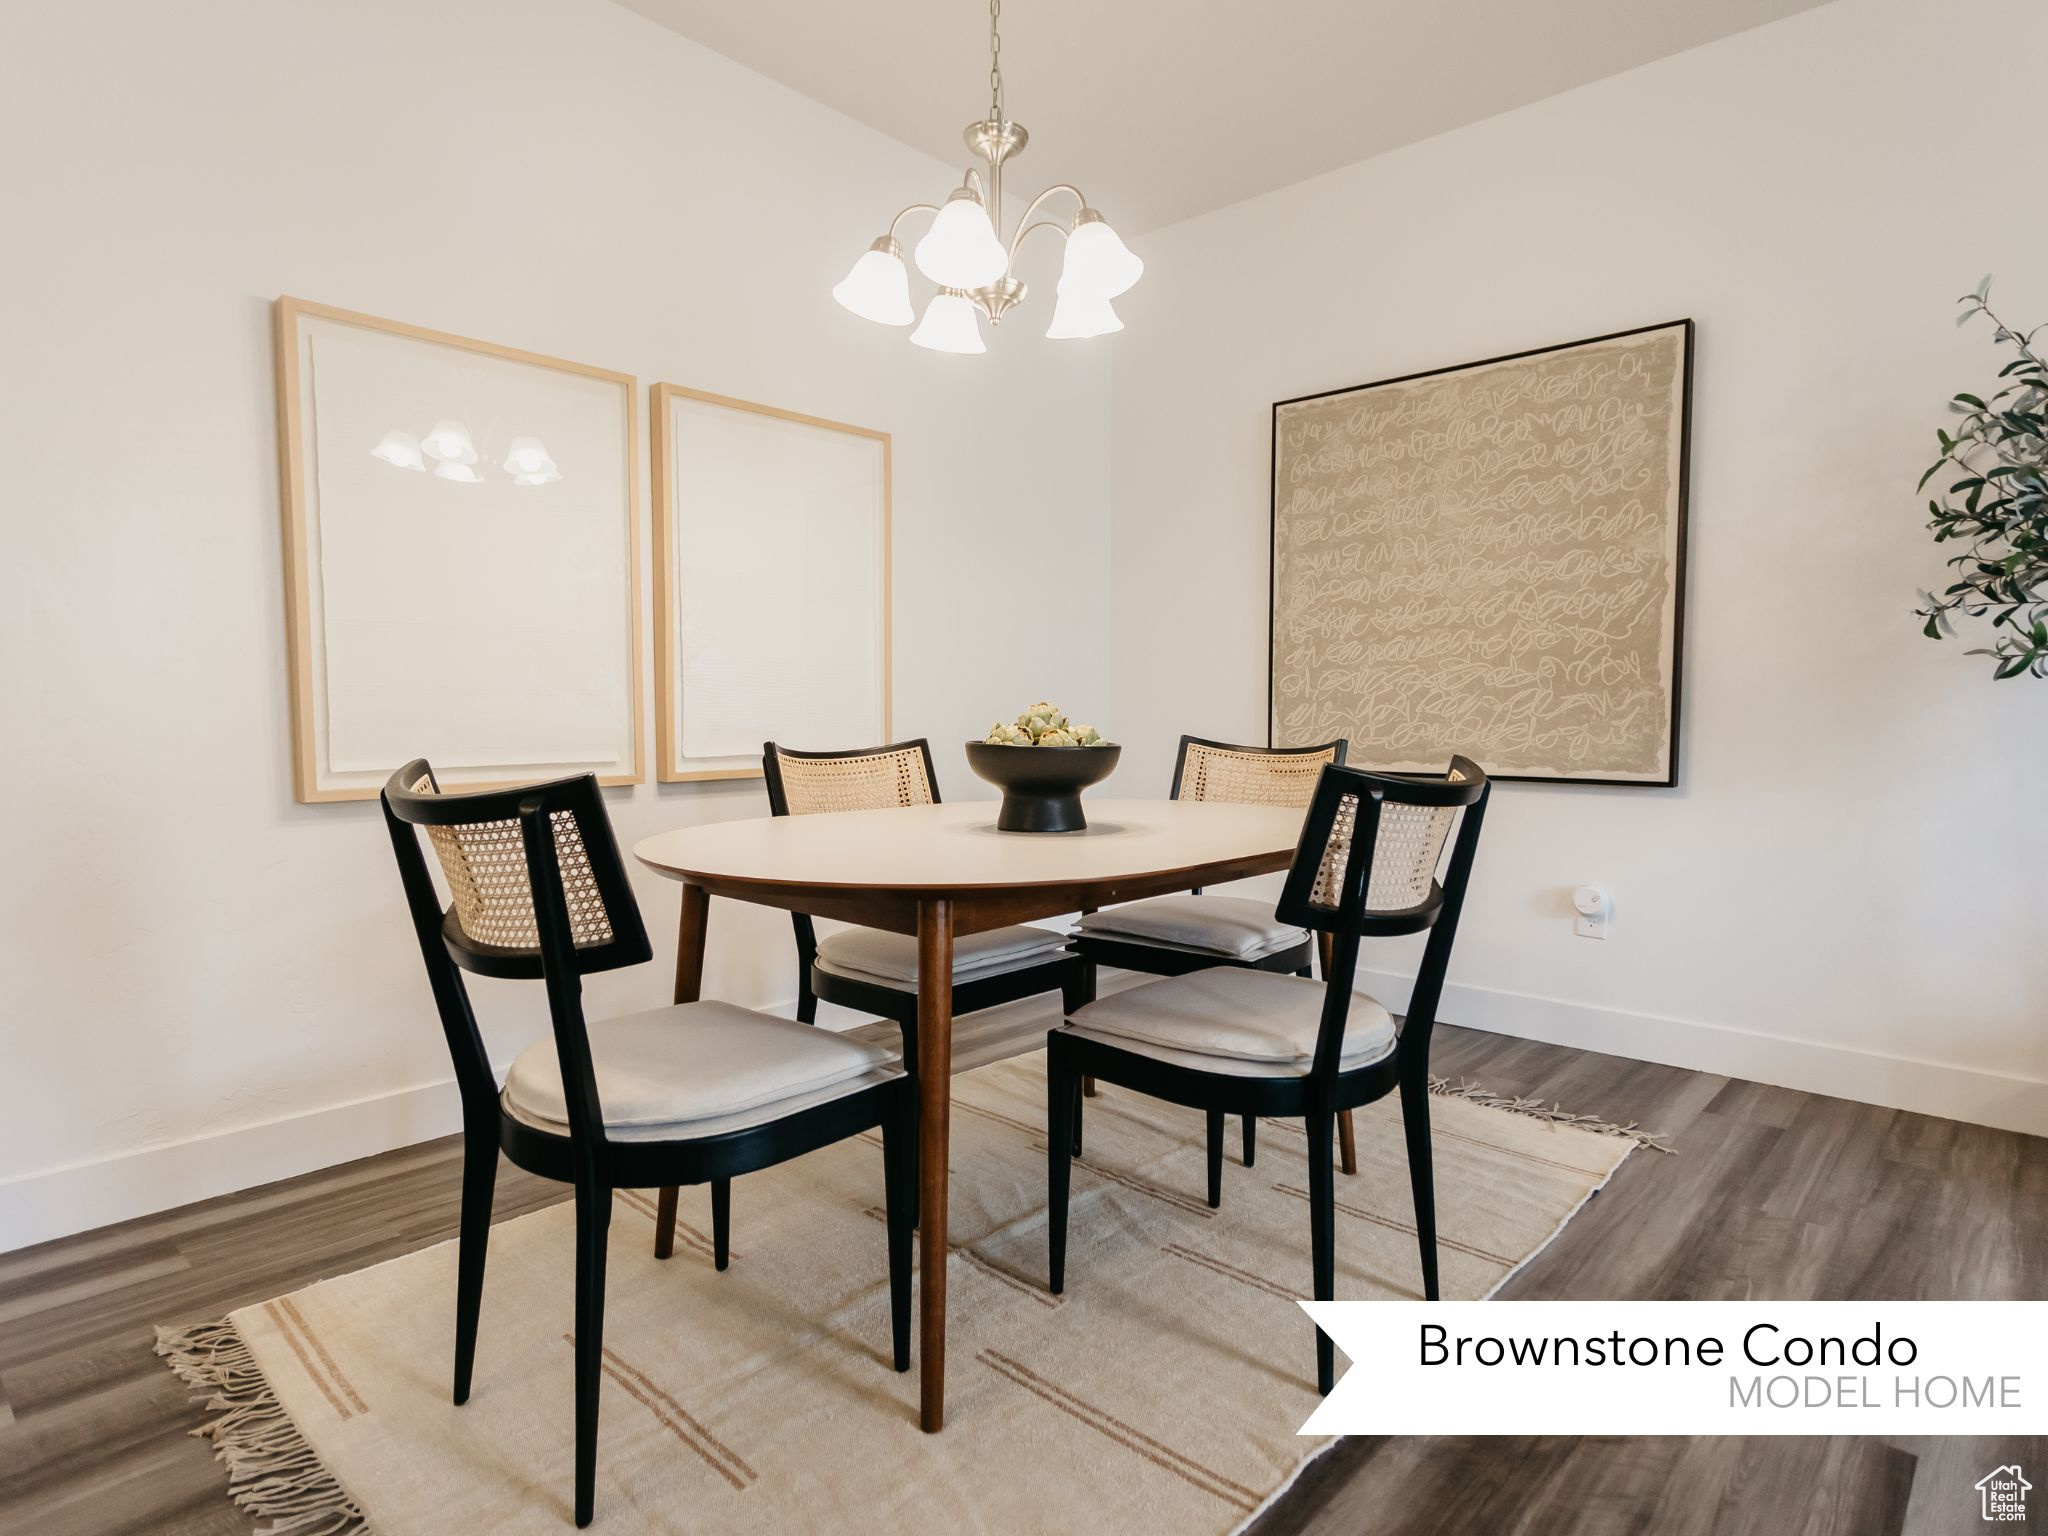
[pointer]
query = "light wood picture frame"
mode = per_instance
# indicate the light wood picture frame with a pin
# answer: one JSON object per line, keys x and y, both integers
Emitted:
{"x": 461, "y": 557}
{"x": 772, "y": 583}
{"x": 1489, "y": 559}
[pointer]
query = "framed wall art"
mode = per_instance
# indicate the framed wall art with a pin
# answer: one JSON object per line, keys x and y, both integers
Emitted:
{"x": 462, "y": 557}
{"x": 771, "y": 583}
{"x": 1489, "y": 559}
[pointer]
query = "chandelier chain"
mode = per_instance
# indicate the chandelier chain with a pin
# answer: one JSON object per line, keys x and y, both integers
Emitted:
{"x": 995, "y": 60}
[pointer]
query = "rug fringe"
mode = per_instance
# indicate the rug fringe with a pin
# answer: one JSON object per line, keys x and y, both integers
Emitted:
{"x": 1536, "y": 1109}
{"x": 273, "y": 1474}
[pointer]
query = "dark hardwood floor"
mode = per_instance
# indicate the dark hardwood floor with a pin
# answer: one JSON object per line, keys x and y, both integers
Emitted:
{"x": 1773, "y": 1194}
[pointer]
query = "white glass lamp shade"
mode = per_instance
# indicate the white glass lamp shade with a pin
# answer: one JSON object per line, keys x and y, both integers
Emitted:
{"x": 400, "y": 448}
{"x": 1079, "y": 315}
{"x": 1098, "y": 264}
{"x": 949, "y": 324}
{"x": 449, "y": 442}
{"x": 878, "y": 287}
{"x": 542, "y": 477}
{"x": 961, "y": 250}
{"x": 462, "y": 474}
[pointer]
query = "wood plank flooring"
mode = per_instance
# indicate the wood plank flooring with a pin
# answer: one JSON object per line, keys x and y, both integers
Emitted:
{"x": 1774, "y": 1194}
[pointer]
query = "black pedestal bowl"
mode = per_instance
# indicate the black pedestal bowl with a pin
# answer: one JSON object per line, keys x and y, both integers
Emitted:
{"x": 1041, "y": 785}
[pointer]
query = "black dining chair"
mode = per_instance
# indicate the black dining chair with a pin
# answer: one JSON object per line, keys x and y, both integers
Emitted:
{"x": 692, "y": 1093}
{"x": 1235, "y": 1041}
{"x": 1172, "y": 935}
{"x": 874, "y": 972}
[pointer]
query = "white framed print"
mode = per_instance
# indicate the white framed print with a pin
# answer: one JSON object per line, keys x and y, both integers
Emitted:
{"x": 461, "y": 527}
{"x": 771, "y": 581}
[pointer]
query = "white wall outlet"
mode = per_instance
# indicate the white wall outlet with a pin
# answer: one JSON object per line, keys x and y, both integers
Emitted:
{"x": 1593, "y": 909}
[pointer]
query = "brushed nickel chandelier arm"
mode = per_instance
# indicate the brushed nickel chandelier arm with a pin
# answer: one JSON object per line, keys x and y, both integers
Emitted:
{"x": 964, "y": 254}
{"x": 1041, "y": 224}
{"x": 1024, "y": 224}
{"x": 906, "y": 213}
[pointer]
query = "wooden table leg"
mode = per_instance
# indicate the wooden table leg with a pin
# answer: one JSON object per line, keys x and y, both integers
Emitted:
{"x": 689, "y": 987}
{"x": 935, "y": 1103}
{"x": 690, "y": 944}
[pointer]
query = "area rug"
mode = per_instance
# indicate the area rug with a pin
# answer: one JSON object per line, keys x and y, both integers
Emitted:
{"x": 1162, "y": 1392}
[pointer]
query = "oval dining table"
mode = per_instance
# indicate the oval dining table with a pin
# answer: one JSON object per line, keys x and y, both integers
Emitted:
{"x": 940, "y": 872}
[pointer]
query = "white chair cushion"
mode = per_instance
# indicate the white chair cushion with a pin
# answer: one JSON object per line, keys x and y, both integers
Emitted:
{"x": 1226, "y": 1019}
{"x": 1217, "y": 925}
{"x": 719, "y": 1125}
{"x": 890, "y": 959}
{"x": 692, "y": 1061}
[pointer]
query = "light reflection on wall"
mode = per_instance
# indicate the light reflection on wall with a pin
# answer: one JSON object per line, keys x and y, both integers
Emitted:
{"x": 455, "y": 456}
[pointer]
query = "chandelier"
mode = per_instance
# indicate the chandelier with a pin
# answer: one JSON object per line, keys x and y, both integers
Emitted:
{"x": 964, "y": 253}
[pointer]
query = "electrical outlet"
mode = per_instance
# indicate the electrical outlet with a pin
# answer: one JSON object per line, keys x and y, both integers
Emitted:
{"x": 1590, "y": 904}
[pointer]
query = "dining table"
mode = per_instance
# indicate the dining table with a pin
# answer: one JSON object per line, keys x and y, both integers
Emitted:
{"x": 941, "y": 872}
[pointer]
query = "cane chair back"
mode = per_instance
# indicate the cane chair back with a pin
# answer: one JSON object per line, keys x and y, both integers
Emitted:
{"x": 1282, "y": 776}
{"x": 867, "y": 779}
{"x": 1371, "y": 847}
{"x": 480, "y": 845}
{"x": 1367, "y": 863}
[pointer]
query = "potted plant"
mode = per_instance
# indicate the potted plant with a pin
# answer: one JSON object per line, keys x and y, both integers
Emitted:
{"x": 1996, "y": 507}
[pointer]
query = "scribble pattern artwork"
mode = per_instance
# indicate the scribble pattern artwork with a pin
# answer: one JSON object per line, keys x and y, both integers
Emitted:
{"x": 1488, "y": 560}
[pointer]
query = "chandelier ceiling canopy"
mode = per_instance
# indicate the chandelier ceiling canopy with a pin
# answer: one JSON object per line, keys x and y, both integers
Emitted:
{"x": 963, "y": 251}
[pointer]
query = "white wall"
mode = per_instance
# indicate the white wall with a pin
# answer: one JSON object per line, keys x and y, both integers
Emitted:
{"x": 206, "y": 985}
{"x": 1845, "y": 891}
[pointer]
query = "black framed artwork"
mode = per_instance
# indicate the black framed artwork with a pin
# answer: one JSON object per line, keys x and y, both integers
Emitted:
{"x": 1489, "y": 559}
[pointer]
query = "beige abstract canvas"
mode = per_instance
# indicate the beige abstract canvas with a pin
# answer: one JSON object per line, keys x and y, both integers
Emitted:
{"x": 1489, "y": 560}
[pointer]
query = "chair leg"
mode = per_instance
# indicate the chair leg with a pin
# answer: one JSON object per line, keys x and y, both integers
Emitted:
{"x": 1322, "y": 1219}
{"x": 1347, "y": 1141}
{"x": 1077, "y": 1095}
{"x": 1215, "y": 1158}
{"x": 479, "y": 1181}
{"x": 593, "y": 1220}
{"x": 1251, "y": 1139}
{"x": 899, "y": 1195}
{"x": 908, "y": 1025}
{"x": 721, "y": 1222}
{"x": 1078, "y": 992}
{"x": 806, "y": 999}
{"x": 1063, "y": 1106}
{"x": 1421, "y": 1179}
{"x": 665, "y": 1222}
{"x": 1088, "y": 996}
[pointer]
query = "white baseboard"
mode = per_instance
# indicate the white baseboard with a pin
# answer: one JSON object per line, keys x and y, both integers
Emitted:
{"x": 1837, "y": 1071}
{"x": 56, "y": 1202}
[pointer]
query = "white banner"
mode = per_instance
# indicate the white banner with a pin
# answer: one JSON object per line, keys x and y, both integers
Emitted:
{"x": 1686, "y": 1368}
